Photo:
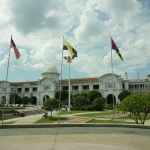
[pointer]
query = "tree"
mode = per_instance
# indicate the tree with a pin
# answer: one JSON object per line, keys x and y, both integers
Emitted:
{"x": 51, "y": 104}
{"x": 138, "y": 106}
{"x": 14, "y": 98}
{"x": 99, "y": 103}
{"x": 80, "y": 101}
{"x": 27, "y": 100}
{"x": 64, "y": 95}
{"x": 123, "y": 95}
{"x": 93, "y": 94}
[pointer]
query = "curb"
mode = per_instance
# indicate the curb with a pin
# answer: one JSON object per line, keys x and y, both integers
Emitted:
{"x": 70, "y": 125}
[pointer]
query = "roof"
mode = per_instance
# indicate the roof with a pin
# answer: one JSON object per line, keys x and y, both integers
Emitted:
{"x": 80, "y": 79}
{"x": 21, "y": 83}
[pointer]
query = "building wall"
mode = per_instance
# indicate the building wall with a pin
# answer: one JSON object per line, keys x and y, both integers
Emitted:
{"x": 48, "y": 86}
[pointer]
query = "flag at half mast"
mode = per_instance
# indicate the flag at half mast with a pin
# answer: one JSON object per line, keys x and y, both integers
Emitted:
{"x": 12, "y": 45}
{"x": 114, "y": 47}
{"x": 72, "y": 51}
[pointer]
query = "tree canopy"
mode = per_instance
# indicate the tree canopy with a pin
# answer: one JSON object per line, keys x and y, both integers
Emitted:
{"x": 137, "y": 105}
{"x": 64, "y": 95}
{"x": 99, "y": 103}
{"x": 80, "y": 101}
{"x": 93, "y": 94}
{"x": 51, "y": 104}
{"x": 123, "y": 95}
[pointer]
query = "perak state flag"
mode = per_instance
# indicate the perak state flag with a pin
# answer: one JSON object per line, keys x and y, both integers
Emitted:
{"x": 114, "y": 47}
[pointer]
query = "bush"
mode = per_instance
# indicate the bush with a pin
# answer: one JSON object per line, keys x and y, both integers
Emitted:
{"x": 90, "y": 108}
{"x": 110, "y": 107}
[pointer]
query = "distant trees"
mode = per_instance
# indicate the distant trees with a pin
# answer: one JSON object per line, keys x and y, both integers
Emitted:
{"x": 123, "y": 95}
{"x": 64, "y": 95}
{"x": 93, "y": 94}
{"x": 99, "y": 103}
{"x": 80, "y": 101}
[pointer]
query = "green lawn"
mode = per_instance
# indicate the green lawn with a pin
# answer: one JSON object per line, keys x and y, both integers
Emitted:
{"x": 109, "y": 121}
{"x": 50, "y": 120}
{"x": 127, "y": 117}
{"x": 8, "y": 122}
{"x": 10, "y": 117}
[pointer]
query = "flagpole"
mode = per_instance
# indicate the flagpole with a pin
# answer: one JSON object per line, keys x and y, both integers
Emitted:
{"x": 112, "y": 85}
{"x": 69, "y": 90}
{"x": 6, "y": 85}
{"x": 60, "y": 82}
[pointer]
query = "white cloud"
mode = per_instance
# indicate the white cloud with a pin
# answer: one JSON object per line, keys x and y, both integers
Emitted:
{"x": 91, "y": 29}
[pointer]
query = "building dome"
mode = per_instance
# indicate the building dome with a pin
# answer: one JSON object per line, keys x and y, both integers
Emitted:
{"x": 50, "y": 69}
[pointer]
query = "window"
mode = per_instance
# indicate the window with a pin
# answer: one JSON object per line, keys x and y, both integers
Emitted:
{"x": 47, "y": 86}
{"x": 74, "y": 88}
{"x": 65, "y": 88}
{"x": 109, "y": 85}
{"x": 34, "y": 89}
{"x": 19, "y": 89}
{"x": 95, "y": 86}
{"x": 85, "y": 87}
{"x": 26, "y": 89}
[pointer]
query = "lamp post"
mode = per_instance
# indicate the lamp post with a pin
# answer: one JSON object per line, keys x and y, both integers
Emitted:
{"x": 69, "y": 60}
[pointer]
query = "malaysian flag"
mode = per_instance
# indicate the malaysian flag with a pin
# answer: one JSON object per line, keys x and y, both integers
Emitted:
{"x": 12, "y": 45}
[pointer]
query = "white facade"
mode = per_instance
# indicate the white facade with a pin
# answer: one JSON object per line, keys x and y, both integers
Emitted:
{"x": 49, "y": 84}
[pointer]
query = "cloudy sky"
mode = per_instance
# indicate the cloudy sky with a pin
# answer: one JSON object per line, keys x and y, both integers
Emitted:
{"x": 38, "y": 27}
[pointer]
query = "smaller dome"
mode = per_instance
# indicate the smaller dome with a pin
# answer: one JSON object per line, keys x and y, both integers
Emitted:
{"x": 51, "y": 68}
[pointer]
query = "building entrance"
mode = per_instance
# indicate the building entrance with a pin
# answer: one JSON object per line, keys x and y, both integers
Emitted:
{"x": 110, "y": 99}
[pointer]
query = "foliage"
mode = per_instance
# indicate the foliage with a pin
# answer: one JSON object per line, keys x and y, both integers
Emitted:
{"x": 99, "y": 103}
{"x": 92, "y": 95}
{"x": 138, "y": 106}
{"x": 17, "y": 99}
{"x": 109, "y": 106}
{"x": 51, "y": 104}
{"x": 123, "y": 95}
{"x": 64, "y": 95}
{"x": 84, "y": 94}
{"x": 27, "y": 100}
{"x": 80, "y": 101}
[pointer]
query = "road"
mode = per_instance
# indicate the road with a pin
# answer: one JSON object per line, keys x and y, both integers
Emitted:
{"x": 71, "y": 138}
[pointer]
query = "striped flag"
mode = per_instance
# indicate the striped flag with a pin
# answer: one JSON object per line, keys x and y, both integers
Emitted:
{"x": 114, "y": 47}
{"x": 72, "y": 51}
{"x": 12, "y": 45}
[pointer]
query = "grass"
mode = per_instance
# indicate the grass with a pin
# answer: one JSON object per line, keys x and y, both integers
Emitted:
{"x": 127, "y": 117}
{"x": 50, "y": 120}
{"x": 12, "y": 107}
{"x": 8, "y": 122}
{"x": 109, "y": 121}
{"x": 10, "y": 117}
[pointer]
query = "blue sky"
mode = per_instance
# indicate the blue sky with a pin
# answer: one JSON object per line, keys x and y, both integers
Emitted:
{"x": 38, "y": 27}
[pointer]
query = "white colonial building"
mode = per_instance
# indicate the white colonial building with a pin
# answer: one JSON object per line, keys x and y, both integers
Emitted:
{"x": 46, "y": 87}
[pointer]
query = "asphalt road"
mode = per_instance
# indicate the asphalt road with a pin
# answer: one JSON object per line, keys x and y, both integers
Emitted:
{"x": 74, "y": 130}
{"x": 72, "y": 138}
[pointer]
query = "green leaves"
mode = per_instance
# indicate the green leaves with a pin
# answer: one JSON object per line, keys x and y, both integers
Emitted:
{"x": 137, "y": 105}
